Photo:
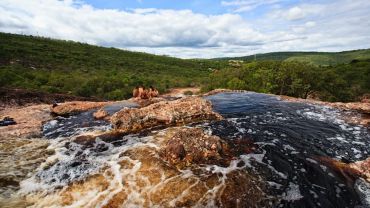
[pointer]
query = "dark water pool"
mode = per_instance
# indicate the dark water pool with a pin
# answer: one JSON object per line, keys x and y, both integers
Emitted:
{"x": 291, "y": 136}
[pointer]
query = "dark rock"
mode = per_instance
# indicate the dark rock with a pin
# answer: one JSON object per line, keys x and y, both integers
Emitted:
{"x": 7, "y": 121}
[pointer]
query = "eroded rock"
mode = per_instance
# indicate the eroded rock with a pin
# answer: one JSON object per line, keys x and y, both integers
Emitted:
{"x": 141, "y": 178}
{"x": 165, "y": 113}
{"x": 363, "y": 167}
{"x": 101, "y": 114}
{"x": 191, "y": 145}
{"x": 350, "y": 171}
{"x": 69, "y": 108}
{"x": 28, "y": 120}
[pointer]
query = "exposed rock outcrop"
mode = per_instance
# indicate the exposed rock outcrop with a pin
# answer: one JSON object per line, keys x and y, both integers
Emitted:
{"x": 166, "y": 113}
{"x": 191, "y": 145}
{"x": 363, "y": 108}
{"x": 28, "y": 120}
{"x": 142, "y": 178}
{"x": 350, "y": 171}
{"x": 363, "y": 167}
{"x": 101, "y": 114}
{"x": 69, "y": 108}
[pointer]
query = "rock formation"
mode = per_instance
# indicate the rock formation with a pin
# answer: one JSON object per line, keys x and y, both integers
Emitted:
{"x": 191, "y": 145}
{"x": 29, "y": 121}
{"x": 350, "y": 171}
{"x": 166, "y": 113}
{"x": 69, "y": 108}
{"x": 101, "y": 114}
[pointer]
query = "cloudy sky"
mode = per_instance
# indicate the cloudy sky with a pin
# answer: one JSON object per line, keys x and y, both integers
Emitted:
{"x": 196, "y": 28}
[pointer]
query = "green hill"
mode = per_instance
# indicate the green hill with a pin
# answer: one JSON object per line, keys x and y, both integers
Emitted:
{"x": 59, "y": 66}
{"x": 317, "y": 58}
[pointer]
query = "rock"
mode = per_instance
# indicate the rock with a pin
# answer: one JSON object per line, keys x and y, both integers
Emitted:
{"x": 360, "y": 107}
{"x": 182, "y": 92}
{"x": 165, "y": 113}
{"x": 314, "y": 95}
{"x": 69, "y": 108}
{"x": 101, "y": 114}
{"x": 355, "y": 106}
{"x": 363, "y": 167}
{"x": 349, "y": 171}
{"x": 191, "y": 145}
{"x": 146, "y": 102}
{"x": 6, "y": 121}
{"x": 29, "y": 121}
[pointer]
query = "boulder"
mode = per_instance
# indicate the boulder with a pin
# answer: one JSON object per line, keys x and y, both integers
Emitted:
{"x": 191, "y": 145}
{"x": 101, "y": 114}
{"x": 70, "y": 108}
{"x": 165, "y": 113}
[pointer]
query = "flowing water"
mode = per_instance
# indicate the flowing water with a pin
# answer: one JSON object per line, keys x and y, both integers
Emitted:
{"x": 291, "y": 137}
{"x": 126, "y": 171}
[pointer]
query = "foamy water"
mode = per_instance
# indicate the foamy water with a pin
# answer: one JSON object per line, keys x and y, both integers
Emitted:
{"x": 127, "y": 171}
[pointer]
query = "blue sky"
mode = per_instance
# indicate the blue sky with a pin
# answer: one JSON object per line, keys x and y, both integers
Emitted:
{"x": 199, "y": 6}
{"x": 196, "y": 28}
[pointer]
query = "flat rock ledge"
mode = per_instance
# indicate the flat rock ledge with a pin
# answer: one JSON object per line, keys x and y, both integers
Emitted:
{"x": 165, "y": 113}
{"x": 70, "y": 108}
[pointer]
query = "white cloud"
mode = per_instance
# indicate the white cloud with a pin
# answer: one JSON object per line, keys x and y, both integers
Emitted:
{"x": 247, "y": 5}
{"x": 294, "y": 13}
{"x": 183, "y": 33}
{"x": 139, "y": 27}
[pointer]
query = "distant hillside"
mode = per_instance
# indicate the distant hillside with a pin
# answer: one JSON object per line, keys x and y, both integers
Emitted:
{"x": 317, "y": 58}
{"x": 60, "y": 66}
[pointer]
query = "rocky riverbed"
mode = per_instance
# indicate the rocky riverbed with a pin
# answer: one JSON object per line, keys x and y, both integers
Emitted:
{"x": 226, "y": 149}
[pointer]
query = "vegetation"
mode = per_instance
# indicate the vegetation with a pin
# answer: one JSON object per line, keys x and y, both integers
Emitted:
{"x": 58, "y": 66}
{"x": 316, "y": 58}
{"x": 344, "y": 82}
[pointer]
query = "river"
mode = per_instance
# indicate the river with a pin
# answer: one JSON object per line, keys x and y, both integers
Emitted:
{"x": 125, "y": 171}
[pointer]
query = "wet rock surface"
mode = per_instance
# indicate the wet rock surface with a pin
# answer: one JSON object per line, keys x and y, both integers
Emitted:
{"x": 166, "y": 113}
{"x": 70, "y": 108}
{"x": 187, "y": 146}
{"x": 263, "y": 154}
{"x": 363, "y": 167}
{"x": 139, "y": 177}
{"x": 101, "y": 114}
{"x": 362, "y": 107}
{"x": 29, "y": 121}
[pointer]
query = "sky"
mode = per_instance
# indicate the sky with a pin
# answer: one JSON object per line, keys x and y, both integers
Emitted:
{"x": 196, "y": 28}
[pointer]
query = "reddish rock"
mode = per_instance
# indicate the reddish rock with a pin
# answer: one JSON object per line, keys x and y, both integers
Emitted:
{"x": 29, "y": 120}
{"x": 191, "y": 145}
{"x": 101, "y": 114}
{"x": 361, "y": 107}
{"x": 216, "y": 91}
{"x": 69, "y": 108}
{"x": 350, "y": 171}
{"x": 165, "y": 113}
{"x": 363, "y": 167}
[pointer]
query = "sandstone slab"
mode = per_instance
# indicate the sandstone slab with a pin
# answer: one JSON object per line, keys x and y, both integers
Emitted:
{"x": 69, "y": 108}
{"x": 165, "y": 113}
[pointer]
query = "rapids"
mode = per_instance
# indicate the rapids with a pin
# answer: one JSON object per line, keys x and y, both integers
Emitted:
{"x": 126, "y": 171}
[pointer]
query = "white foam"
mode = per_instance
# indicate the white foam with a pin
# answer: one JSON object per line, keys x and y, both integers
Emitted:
{"x": 293, "y": 193}
{"x": 362, "y": 188}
